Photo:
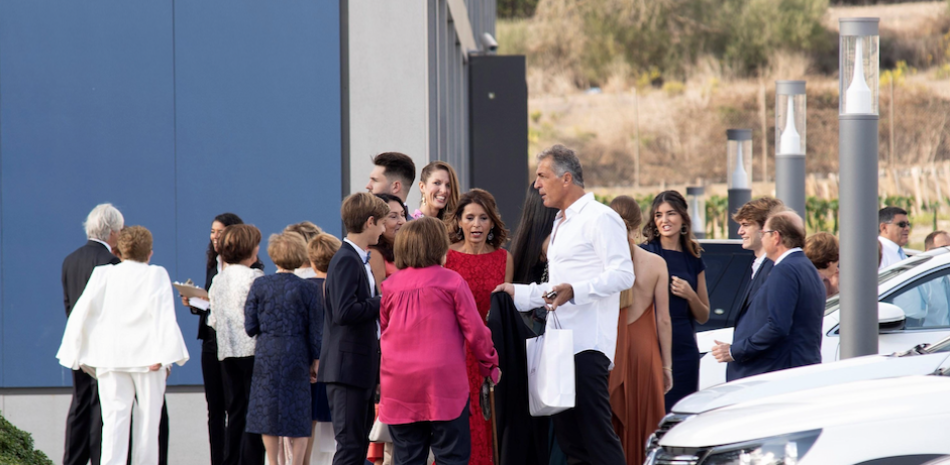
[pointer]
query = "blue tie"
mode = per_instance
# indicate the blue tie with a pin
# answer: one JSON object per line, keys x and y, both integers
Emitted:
{"x": 900, "y": 250}
{"x": 366, "y": 260}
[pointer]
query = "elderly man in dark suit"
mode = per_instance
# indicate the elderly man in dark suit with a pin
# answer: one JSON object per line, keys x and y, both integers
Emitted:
{"x": 84, "y": 422}
{"x": 751, "y": 219}
{"x": 349, "y": 357}
{"x": 782, "y": 328}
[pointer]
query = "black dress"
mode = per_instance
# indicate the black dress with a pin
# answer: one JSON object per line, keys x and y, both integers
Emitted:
{"x": 280, "y": 312}
{"x": 685, "y": 351}
{"x": 318, "y": 391}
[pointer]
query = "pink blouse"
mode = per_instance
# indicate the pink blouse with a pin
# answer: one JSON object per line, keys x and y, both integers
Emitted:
{"x": 427, "y": 315}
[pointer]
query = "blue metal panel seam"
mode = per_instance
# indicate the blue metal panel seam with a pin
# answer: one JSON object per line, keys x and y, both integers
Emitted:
{"x": 175, "y": 136}
{"x": 2, "y": 293}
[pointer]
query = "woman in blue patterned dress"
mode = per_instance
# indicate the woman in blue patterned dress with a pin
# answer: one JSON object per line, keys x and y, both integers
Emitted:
{"x": 280, "y": 312}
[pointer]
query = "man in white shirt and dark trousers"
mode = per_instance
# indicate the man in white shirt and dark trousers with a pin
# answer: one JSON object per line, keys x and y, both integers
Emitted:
{"x": 894, "y": 232}
{"x": 589, "y": 259}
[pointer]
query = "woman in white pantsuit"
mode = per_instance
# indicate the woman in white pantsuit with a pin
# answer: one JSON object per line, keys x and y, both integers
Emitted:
{"x": 123, "y": 330}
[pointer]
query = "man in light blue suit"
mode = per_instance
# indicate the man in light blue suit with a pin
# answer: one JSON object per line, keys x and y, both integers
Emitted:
{"x": 782, "y": 327}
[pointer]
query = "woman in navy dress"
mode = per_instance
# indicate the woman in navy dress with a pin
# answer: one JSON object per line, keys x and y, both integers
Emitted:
{"x": 320, "y": 251}
{"x": 670, "y": 236}
{"x": 280, "y": 312}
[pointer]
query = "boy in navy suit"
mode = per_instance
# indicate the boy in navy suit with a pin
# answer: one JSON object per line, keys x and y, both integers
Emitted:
{"x": 349, "y": 358}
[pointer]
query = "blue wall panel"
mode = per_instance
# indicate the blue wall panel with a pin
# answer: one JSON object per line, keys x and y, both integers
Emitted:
{"x": 87, "y": 116}
{"x": 258, "y": 120}
{"x": 174, "y": 112}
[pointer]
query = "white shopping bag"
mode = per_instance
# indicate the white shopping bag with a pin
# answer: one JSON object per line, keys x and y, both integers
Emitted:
{"x": 551, "y": 371}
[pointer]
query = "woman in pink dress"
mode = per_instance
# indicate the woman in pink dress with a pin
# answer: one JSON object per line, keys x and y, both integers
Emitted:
{"x": 477, "y": 234}
{"x": 427, "y": 315}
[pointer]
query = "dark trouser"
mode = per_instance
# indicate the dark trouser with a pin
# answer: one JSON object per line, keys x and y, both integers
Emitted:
{"x": 84, "y": 422}
{"x": 585, "y": 432}
{"x": 450, "y": 441}
{"x": 241, "y": 448}
{"x": 214, "y": 393}
{"x": 352, "y": 410}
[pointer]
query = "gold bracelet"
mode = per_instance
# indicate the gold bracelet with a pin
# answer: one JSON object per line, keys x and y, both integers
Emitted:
{"x": 669, "y": 369}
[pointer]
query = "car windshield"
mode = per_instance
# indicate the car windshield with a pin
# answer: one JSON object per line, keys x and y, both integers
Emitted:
{"x": 938, "y": 347}
{"x": 832, "y": 303}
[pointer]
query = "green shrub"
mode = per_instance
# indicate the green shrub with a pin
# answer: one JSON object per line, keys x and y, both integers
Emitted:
{"x": 16, "y": 447}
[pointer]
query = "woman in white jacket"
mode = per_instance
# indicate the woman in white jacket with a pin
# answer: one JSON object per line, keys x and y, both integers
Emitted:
{"x": 123, "y": 331}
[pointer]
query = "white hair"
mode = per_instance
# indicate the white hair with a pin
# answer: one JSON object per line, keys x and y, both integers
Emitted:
{"x": 103, "y": 220}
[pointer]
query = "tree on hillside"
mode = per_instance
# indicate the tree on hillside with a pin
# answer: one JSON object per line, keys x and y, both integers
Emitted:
{"x": 508, "y": 9}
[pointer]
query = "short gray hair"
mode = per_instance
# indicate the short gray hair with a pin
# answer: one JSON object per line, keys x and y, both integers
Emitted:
{"x": 103, "y": 220}
{"x": 563, "y": 160}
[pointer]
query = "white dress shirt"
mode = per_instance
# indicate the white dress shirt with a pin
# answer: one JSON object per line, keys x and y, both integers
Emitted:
{"x": 589, "y": 251}
{"x": 787, "y": 253}
{"x": 756, "y": 264}
{"x": 891, "y": 253}
{"x": 124, "y": 321}
{"x": 369, "y": 274}
{"x": 228, "y": 294}
{"x": 108, "y": 247}
{"x": 305, "y": 273}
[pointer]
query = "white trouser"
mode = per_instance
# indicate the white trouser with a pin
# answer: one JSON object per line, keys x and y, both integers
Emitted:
{"x": 123, "y": 395}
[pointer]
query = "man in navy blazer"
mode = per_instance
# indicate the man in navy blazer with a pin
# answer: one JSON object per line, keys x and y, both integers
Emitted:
{"x": 349, "y": 357}
{"x": 751, "y": 219}
{"x": 782, "y": 328}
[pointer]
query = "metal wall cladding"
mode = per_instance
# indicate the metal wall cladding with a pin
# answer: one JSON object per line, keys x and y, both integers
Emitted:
{"x": 174, "y": 112}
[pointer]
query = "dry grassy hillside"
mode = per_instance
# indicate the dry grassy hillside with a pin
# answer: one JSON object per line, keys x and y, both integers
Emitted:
{"x": 676, "y": 124}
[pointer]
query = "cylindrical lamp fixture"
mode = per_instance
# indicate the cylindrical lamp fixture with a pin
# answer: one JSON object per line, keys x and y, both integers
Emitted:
{"x": 859, "y": 61}
{"x": 790, "y": 144}
{"x": 739, "y": 178}
{"x": 696, "y": 201}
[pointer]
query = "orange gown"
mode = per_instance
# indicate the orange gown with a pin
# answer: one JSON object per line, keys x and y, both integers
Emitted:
{"x": 636, "y": 382}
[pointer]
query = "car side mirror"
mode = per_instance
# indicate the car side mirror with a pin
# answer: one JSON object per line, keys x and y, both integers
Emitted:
{"x": 890, "y": 316}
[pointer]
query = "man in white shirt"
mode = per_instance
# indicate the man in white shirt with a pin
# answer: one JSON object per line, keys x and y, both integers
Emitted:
{"x": 589, "y": 259}
{"x": 894, "y": 229}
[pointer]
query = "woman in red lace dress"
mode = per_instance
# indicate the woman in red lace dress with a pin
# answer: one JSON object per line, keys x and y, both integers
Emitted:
{"x": 477, "y": 234}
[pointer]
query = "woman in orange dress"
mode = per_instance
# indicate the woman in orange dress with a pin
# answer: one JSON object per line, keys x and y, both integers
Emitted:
{"x": 477, "y": 234}
{"x": 642, "y": 371}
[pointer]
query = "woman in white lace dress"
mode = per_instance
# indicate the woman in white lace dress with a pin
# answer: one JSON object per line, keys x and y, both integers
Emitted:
{"x": 238, "y": 246}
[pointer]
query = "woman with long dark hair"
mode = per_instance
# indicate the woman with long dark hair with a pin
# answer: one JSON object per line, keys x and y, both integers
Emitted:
{"x": 383, "y": 264}
{"x": 211, "y": 370}
{"x": 530, "y": 242}
{"x": 529, "y": 254}
{"x": 668, "y": 233}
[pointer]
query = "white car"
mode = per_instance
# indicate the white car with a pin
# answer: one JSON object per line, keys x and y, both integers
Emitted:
{"x": 921, "y": 360}
{"x": 918, "y": 291}
{"x": 885, "y": 421}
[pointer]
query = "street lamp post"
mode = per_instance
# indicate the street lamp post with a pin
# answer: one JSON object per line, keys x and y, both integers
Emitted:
{"x": 790, "y": 144}
{"x": 696, "y": 200}
{"x": 858, "y": 166}
{"x": 739, "y": 179}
